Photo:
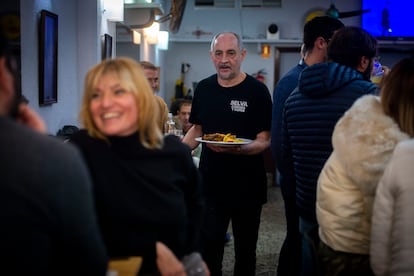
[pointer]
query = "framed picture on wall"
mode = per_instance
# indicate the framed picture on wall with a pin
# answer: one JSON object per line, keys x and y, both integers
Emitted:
{"x": 48, "y": 55}
{"x": 106, "y": 46}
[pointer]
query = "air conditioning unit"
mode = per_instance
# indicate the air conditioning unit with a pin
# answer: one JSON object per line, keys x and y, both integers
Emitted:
{"x": 139, "y": 14}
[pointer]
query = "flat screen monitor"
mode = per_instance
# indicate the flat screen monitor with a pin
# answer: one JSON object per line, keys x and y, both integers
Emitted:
{"x": 389, "y": 19}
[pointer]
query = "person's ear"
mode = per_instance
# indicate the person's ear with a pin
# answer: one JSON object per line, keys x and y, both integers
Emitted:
{"x": 212, "y": 56}
{"x": 320, "y": 43}
{"x": 243, "y": 53}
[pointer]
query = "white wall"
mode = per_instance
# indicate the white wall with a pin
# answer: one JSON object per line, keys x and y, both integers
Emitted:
{"x": 251, "y": 24}
{"x": 79, "y": 47}
{"x": 82, "y": 24}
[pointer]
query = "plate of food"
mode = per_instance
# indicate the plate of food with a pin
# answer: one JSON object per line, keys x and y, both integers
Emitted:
{"x": 221, "y": 139}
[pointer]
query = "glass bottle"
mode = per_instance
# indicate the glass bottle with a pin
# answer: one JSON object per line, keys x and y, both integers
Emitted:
{"x": 170, "y": 127}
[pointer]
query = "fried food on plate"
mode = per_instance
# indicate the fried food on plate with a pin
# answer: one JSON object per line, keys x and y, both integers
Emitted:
{"x": 220, "y": 137}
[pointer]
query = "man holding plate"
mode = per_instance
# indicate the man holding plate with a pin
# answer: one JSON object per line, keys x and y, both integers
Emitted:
{"x": 233, "y": 173}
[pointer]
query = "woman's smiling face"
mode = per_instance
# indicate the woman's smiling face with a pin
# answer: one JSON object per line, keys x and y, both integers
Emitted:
{"x": 114, "y": 109}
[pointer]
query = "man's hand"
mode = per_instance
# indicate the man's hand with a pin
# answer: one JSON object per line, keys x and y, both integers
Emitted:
{"x": 167, "y": 262}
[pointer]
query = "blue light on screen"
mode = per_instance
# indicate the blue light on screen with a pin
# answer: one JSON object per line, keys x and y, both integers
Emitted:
{"x": 389, "y": 19}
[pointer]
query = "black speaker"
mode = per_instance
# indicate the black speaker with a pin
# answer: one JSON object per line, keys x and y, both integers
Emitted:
{"x": 272, "y": 32}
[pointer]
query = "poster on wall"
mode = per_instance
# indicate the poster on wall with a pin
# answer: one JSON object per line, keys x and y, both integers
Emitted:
{"x": 48, "y": 54}
{"x": 106, "y": 46}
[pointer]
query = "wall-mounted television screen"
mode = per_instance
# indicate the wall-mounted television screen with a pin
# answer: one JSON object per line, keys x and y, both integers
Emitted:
{"x": 389, "y": 19}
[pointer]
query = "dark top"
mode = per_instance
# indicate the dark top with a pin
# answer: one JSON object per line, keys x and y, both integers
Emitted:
{"x": 144, "y": 196}
{"x": 47, "y": 217}
{"x": 243, "y": 110}
{"x": 284, "y": 87}
{"x": 324, "y": 93}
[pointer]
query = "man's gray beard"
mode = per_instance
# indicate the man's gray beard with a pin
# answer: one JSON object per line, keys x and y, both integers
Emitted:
{"x": 230, "y": 77}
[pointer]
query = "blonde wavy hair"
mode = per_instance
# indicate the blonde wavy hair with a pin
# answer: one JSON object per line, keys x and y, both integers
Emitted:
{"x": 133, "y": 80}
{"x": 397, "y": 95}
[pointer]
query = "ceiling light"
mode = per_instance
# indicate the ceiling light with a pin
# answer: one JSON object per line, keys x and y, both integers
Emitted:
{"x": 136, "y": 37}
{"x": 163, "y": 37}
{"x": 151, "y": 33}
{"x": 265, "y": 51}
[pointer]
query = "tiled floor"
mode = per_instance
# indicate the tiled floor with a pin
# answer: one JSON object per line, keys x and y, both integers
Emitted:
{"x": 271, "y": 236}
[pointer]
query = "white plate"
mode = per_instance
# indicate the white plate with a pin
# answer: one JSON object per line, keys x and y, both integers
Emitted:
{"x": 244, "y": 141}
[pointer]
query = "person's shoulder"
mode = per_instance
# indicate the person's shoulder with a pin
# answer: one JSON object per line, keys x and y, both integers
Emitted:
{"x": 368, "y": 86}
{"x": 356, "y": 86}
{"x": 293, "y": 73}
{"x": 174, "y": 142}
{"x": 80, "y": 136}
{"x": 19, "y": 132}
{"x": 159, "y": 98}
{"x": 205, "y": 87}
{"x": 208, "y": 80}
{"x": 212, "y": 77}
{"x": 176, "y": 147}
{"x": 289, "y": 81}
{"x": 294, "y": 97}
{"x": 86, "y": 142}
{"x": 405, "y": 147}
{"x": 253, "y": 81}
{"x": 367, "y": 102}
{"x": 321, "y": 68}
{"x": 402, "y": 157}
{"x": 161, "y": 103}
{"x": 293, "y": 77}
{"x": 31, "y": 142}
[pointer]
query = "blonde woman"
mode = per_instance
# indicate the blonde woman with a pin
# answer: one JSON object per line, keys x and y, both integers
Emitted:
{"x": 147, "y": 188}
{"x": 363, "y": 141}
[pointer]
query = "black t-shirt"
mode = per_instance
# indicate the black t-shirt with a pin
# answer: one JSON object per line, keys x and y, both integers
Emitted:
{"x": 243, "y": 110}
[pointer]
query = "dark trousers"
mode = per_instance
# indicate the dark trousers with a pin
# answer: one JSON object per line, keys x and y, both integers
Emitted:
{"x": 336, "y": 263}
{"x": 310, "y": 241}
{"x": 245, "y": 225}
{"x": 290, "y": 252}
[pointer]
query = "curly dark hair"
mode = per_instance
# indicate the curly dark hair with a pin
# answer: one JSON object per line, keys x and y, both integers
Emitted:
{"x": 349, "y": 44}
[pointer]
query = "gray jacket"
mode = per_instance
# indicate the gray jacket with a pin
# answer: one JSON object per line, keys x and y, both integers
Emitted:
{"x": 392, "y": 239}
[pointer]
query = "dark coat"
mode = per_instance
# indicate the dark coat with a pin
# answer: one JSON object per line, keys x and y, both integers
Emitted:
{"x": 47, "y": 217}
{"x": 324, "y": 93}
